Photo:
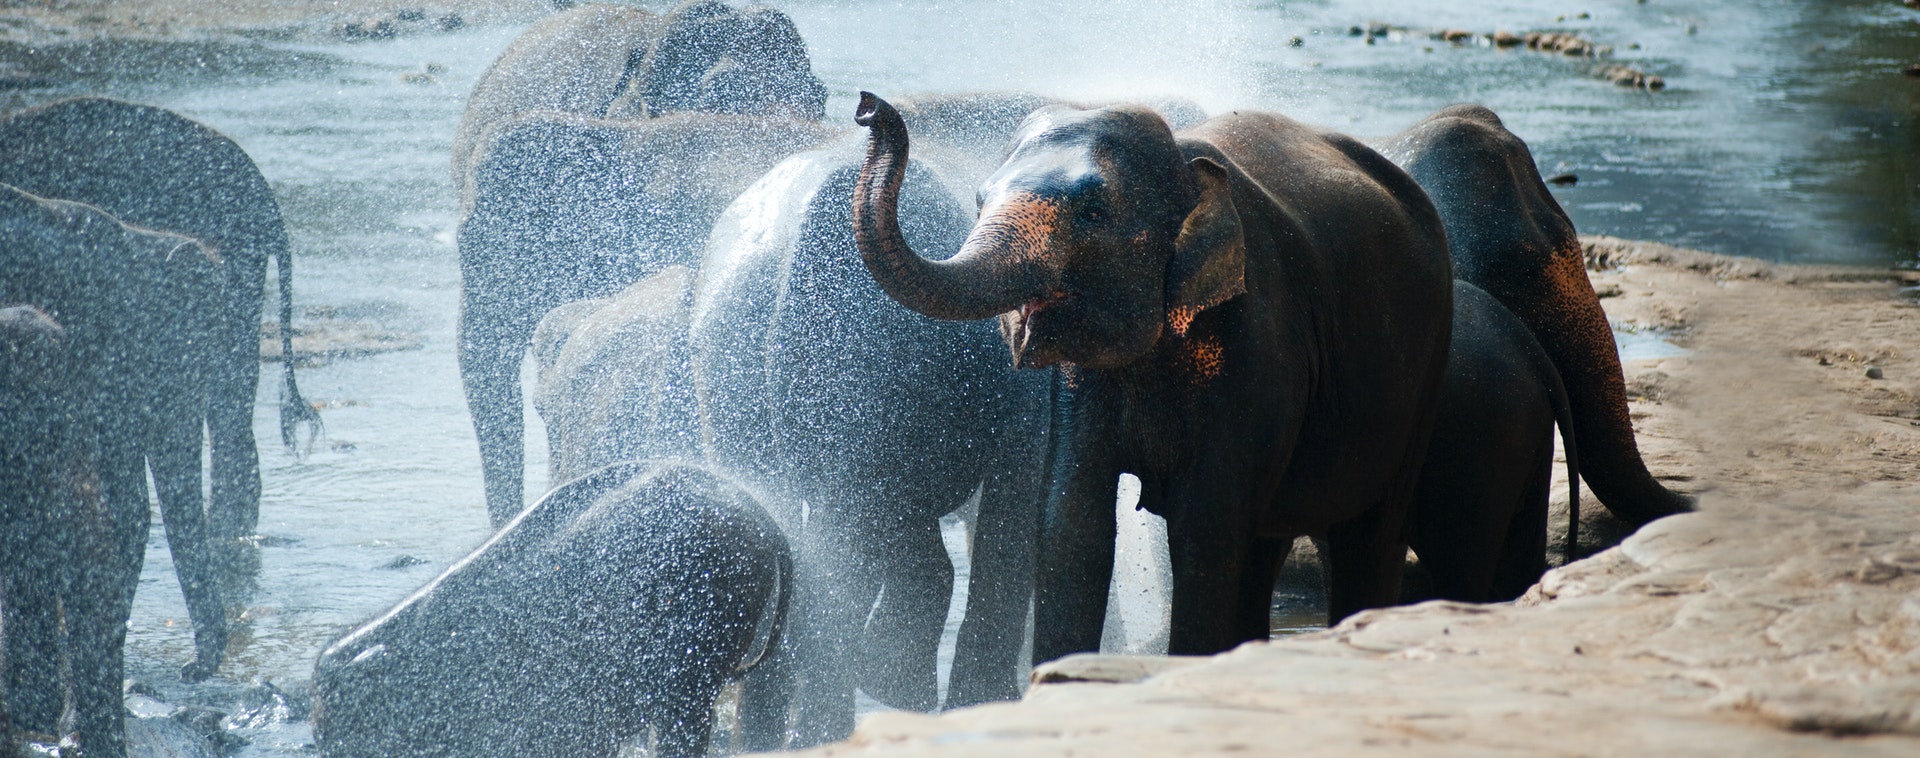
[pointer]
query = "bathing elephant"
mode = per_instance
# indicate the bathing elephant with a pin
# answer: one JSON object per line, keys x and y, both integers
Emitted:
{"x": 124, "y": 395}
{"x": 879, "y": 422}
{"x": 621, "y": 601}
{"x": 156, "y": 169}
{"x": 1479, "y": 518}
{"x": 1251, "y": 317}
{"x": 614, "y": 378}
{"x": 564, "y": 205}
{"x": 1510, "y": 238}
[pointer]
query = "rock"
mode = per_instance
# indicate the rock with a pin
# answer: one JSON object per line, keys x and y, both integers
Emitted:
{"x": 401, "y": 562}
{"x": 1563, "y": 180}
{"x": 1108, "y": 669}
{"x": 1296, "y": 41}
{"x": 1507, "y": 39}
{"x": 1874, "y": 372}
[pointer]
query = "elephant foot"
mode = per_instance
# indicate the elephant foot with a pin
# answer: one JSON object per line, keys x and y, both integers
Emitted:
{"x": 209, "y": 648}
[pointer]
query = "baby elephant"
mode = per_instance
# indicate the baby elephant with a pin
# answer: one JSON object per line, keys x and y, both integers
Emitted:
{"x": 622, "y": 600}
{"x": 1479, "y": 519}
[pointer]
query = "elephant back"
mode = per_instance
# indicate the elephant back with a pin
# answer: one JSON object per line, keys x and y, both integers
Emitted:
{"x": 811, "y": 375}
{"x": 148, "y": 167}
{"x": 573, "y": 61}
{"x": 595, "y": 204}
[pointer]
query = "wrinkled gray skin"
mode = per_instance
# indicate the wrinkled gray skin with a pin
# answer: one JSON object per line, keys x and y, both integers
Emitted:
{"x": 1251, "y": 316}
{"x": 155, "y": 169}
{"x": 812, "y": 381}
{"x": 1509, "y": 237}
{"x": 620, "y": 602}
{"x": 614, "y": 382}
{"x": 577, "y": 185}
{"x": 1479, "y": 517}
{"x": 121, "y": 393}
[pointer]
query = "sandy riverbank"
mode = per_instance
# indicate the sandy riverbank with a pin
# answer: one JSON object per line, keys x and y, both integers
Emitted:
{"x": 1781, "y": 619}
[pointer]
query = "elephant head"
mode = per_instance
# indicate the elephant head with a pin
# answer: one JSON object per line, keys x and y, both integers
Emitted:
{"x": 1096, "y": 235}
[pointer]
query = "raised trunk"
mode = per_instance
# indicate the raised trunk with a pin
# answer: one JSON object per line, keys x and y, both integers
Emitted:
{"x": 1570, "y": 324}
{"x": 981, "y": 281}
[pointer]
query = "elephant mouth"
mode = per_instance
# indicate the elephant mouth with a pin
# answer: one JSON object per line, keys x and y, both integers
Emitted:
{"x": 1018, "y": 327}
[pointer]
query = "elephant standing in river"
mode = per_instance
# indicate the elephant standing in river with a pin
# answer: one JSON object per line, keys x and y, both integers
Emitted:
{"x": 877, "y": 422}
{"x": 125, "y": 395}
{"x": 1479, "y": 518}
{"x": 1252, "y": 317}
{"x": 1509, "y": 237}
{"x": 621, "y": 601}
{"x": 158, "y": 170}
{"x": 575, "y": 187}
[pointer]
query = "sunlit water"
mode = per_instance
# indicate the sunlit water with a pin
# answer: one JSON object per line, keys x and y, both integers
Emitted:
{"x": 1756, "y": 147}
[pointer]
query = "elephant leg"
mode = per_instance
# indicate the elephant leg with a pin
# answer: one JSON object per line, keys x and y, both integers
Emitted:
{"x": 97, "y": 609}
{"x": 33, "y": 585}
{"x": 1215, "y": 567}
{"x": 494, "y": 336}
{"x": 174, "y": 456}
{"x": 1522, "y": 557}
{"x": 766, "y": 700}
{"x": 1366, "y": 556}
{"x": 986, "y": 656}
{"x": 683, "y": 721}
{"x": 1074, "y": 565}
{"x": 1256, "y": 587}
{"x": 832, "y": 597}
{"x": 234, "y": 510}
{"x": 900, "y": 657}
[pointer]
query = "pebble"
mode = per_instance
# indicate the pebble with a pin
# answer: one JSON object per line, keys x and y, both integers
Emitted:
{"x": 1874, "y": 372}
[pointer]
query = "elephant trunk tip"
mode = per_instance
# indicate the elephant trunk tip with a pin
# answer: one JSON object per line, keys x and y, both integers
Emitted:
{"x": 871, "y": 107}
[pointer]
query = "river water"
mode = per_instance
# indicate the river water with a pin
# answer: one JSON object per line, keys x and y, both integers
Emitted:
{"x": 1785, "y": 131}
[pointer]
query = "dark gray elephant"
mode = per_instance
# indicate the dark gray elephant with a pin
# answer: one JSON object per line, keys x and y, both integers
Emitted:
{"x": 1479, "y": 518}
{"x": 1509, "y": 237}
{"x": 1252, "y": 317}
{"x": 158, "y": 170}
{"x": 614, "y": 379}
{"x": 140, "y": 312}
{"x": 619, "y": 602}
{"x": 57, "y": 556}
{"x": 877, "y": 422}
{"x": 566, "y": 206}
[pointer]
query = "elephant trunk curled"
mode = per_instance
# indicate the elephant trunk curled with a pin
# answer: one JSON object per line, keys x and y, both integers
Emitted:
{"x": 981, "y": 281}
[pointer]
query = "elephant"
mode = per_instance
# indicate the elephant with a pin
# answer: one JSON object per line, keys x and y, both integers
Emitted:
{"x": 1509, "y": 237}
{"x": 564, "y": 206}
{"x": 1479, "y": 517}
{"x": 622, "y": 62}
{"x": 614, "y": 379}
{"x": 156, "y": 169}
{"x": 1252, "y": 317}
{"x": 124, "y": 395}
{"x": 619, "y": 602}
{"x": 877, "y": 422}
{"x": 56, "y": 551}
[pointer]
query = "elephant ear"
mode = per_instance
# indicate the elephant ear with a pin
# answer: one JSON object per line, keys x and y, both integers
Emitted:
{"x": 1210, "y": 255}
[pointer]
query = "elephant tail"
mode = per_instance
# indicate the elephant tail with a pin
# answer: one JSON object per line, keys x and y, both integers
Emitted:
{"x": 1563, "y": 418}
{"x": 777, "y": 625}
{"x": 294, "y": 409}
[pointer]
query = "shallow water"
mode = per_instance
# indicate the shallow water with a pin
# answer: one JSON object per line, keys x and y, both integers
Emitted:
{"x": 1756, "y": 147}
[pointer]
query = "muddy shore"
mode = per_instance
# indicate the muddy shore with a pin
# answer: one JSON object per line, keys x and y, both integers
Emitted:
{"x": 1781, "y": 619}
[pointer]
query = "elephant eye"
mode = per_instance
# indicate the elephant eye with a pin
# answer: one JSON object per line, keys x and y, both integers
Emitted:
{"x": 1092, "y": 213}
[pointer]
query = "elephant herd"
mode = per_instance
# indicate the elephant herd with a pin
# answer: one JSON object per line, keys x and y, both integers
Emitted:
{"x": 774, "y": 351}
